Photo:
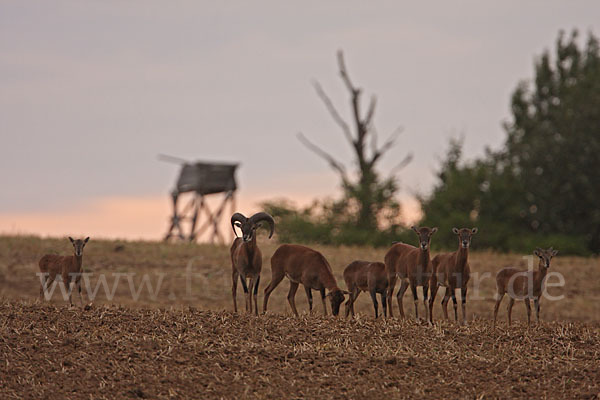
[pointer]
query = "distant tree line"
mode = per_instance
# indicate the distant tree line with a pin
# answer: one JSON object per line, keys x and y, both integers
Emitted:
{"x": 541, "y": 188}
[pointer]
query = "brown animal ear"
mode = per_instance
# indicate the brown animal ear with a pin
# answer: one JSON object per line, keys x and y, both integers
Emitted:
{"x": 414, "y": 229}
{"x": 537, "y": 252}
{"x": 434, "y": 230}
{"x": 474, "y": 231}
{"x": 455, "y": 231}
{"x": 86, "y": 239}
{"x": 71, "y": 239}
{"x": 554, "y": 252}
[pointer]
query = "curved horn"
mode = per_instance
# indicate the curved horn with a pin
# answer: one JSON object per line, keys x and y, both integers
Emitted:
{"x": 263, "y": 216}
{"x": 239, "y": 218}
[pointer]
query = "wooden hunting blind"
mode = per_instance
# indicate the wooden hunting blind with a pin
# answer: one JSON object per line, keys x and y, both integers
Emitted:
{"x": 201, "y": 179}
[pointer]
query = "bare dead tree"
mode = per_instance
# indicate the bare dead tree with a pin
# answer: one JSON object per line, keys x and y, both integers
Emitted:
{"x": 361, "y": 137}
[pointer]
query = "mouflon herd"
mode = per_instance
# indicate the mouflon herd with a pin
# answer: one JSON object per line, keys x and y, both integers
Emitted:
{"x": 407, "y": 265}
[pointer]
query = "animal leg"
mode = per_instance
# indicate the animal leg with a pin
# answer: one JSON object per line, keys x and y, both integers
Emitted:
{"x": 255, "y": 294}
{"x": 374, "y": 298}
{"x": 463, "y": 299}
{"x": 434, "y": 289}
{"x": 291, "y": 296}
{"x": 49, "y": 283}
{"x": 536, "y": 302}
{"x": 43, "y": 285}
{"x": 245, "y": 287}
{"x": 310, "y": 298}
{"x": 413, "y": 289}
{"x": 403, "y": 287}
{"x": 445, "y": 302}
{"x": 79, "y": 290}
{"x": 350, "y": 302}
{"x": 244, "y": 284}
{"x": 249, "y": 294}
{"x": 384, "y": 303}
{"x": 276, "y": 278}
{"x": 234, "y": 279}
{"x": 498, "y": 301}
{"x": 67, "y": 281}
{"x": 324, "y": 303}
{"x": 511, "y": 303}
{"x": 454, "y": 302}
{"x": 425, "y": 290}
{"x": 390, "y": 292}
{"x": 355, "y": 296}
{"x": 528, "y": 306}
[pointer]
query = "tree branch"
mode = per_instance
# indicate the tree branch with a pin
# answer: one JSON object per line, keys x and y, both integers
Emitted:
{"x": 361, "y": 126}
{"x": 334, "y": 164}
{"x": 374, "y": 138}
{"x": 387, "y": 145}
{"x": 344, "y": 74}
{"x": 370, "y": 112}
{"x": 401, "y": 164}
{"x": 334, "y": 113}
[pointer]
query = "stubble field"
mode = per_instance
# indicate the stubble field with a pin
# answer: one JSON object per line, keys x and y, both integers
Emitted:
{"x": 179, "y": 338}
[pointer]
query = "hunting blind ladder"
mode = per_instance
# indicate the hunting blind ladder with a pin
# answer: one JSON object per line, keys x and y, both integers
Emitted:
{"x": 201, "y": 179}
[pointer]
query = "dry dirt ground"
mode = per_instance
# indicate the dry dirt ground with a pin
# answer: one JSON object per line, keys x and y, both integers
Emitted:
{"x": 114, "y": 352}
{"x": 179, "y": 338}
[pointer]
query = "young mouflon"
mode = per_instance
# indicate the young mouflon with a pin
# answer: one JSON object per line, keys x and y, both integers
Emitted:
{"x": 524, "y": 284}
{"x": 69, "y": 267}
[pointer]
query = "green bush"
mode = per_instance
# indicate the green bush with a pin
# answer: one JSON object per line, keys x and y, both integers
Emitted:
{"x": 318, "y": 224}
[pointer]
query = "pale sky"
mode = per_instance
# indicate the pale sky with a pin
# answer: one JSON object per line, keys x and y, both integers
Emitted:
{"x": 92, "y": 91}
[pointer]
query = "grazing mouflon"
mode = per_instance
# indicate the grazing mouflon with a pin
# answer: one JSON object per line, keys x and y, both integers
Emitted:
{"x": 308, "y": 267}
{"x": 368, "y": 277}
